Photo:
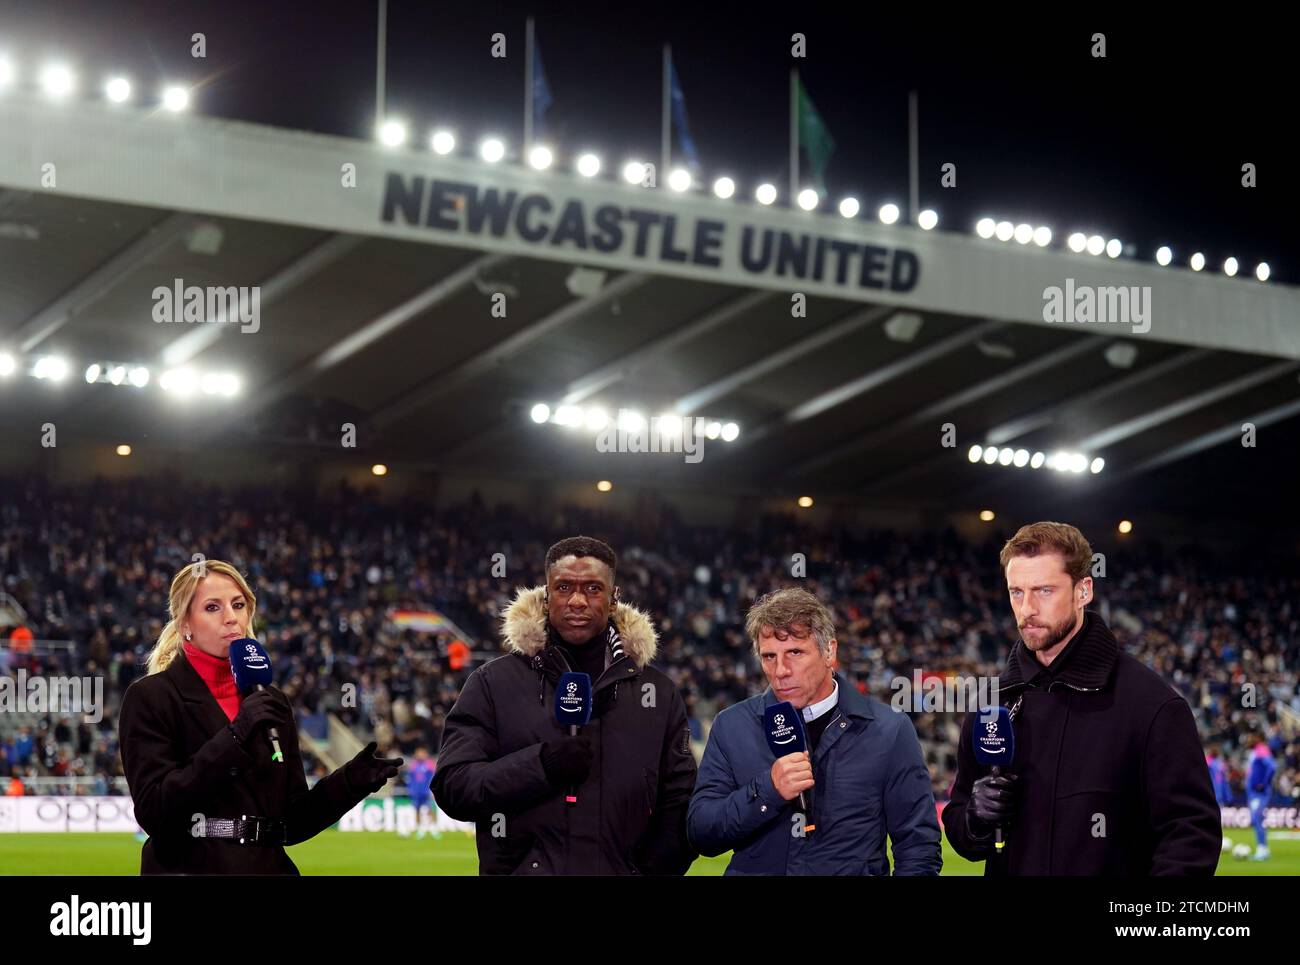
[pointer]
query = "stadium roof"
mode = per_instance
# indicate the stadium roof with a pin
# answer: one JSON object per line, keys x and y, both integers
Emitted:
{"x": 378, "y": 270}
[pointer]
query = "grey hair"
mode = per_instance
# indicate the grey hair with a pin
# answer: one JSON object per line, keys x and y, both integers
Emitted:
{"x": 782, "y": 609}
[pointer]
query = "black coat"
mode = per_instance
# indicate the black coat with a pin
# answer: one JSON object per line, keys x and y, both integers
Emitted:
{"x": 1112, "y": 776}
{"x": 181, "y": 760}
{"x": 631, "y": 812}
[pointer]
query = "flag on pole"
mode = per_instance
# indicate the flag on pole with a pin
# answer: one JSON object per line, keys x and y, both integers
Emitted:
{"x": 541, "y": 94}
{"x": 814, "y": 138}
{"x": 679, "y": 118}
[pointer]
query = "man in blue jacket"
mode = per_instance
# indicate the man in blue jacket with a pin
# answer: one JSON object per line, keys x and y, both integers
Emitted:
{"x": 866, "y": 775}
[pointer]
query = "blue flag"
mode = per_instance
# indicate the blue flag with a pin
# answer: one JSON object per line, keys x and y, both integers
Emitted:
{"x": 679, "y": 117}
{"x": 541, "y": 94}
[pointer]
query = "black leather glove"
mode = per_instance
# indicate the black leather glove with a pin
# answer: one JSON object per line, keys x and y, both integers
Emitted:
{"x": 259, "y": 711}
{"x": 993, "y": 802}
{"x": 369, "y": 772}
{"x": 567, "y": 762}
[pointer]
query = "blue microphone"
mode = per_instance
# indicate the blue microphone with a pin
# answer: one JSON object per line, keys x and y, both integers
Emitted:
{"x": 995, "y": 746}
{"x": 252, "y": 669}
{"x": 783, "y": 727}
{"x": 573, "y": 710}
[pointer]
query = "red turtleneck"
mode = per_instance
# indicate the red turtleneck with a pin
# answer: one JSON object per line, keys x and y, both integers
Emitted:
{"x": 216, "y": 673}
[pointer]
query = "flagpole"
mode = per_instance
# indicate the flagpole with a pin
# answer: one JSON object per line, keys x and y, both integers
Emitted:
{"x": 913, "y": 172}
{"x": 665, "y": 120}
{"x": 794, "y": 134}
{"x": 528, "y": 86}
{"x": 381, "y": 43}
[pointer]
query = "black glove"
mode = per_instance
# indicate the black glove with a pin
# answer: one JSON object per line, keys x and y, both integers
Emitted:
{"x": 993, "y": 802}
{"x": 567, "y": 762}
{"x": 260, "y": 710}
{"x": 369, "y": 772}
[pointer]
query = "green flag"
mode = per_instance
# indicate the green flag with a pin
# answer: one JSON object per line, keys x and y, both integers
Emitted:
{"x": 814, "y": 138}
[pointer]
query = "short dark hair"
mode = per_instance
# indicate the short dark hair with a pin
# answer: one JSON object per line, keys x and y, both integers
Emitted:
{"x": 581, "y": 546}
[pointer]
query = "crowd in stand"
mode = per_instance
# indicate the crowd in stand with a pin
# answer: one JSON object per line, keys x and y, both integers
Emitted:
{"x": 91, "y": 565}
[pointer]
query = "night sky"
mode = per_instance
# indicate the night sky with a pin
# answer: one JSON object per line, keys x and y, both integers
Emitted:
{"x": 1146, "y": 145}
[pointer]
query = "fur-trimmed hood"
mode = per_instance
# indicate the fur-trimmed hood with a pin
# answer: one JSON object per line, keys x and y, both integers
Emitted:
{"x": 524, "y": 627}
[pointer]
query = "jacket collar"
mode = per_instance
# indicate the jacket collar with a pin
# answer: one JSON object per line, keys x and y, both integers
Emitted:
{"x": 1093, "y": 655}
{"x": 196, "y": 694}
{"x": 524, "y": 627}
{"x": 851, "y": 702}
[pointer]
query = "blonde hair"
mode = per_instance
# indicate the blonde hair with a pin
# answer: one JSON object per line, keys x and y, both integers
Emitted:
{"x": 782, "y": 609}
{"x": 184, "y": 585}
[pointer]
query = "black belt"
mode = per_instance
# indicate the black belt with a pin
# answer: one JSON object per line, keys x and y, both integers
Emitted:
{"x": 244, "y": 830}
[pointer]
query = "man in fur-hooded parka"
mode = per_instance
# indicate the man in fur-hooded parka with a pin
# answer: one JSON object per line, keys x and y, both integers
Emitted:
{"x": 611, "y": 800}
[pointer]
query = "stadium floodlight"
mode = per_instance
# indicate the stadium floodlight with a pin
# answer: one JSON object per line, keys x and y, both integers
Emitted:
{"x": 540, "y": 413}
{"x": 670, "y": 424}
{"x": 1078, "y": 462}
{"x": 597, "y": 418}
{"x": 117, "y": 374}
{"x": 180, "y": 382}
{"x": 990, "y": 455}
{"x": 139, "y": 376}
{"x": 1042, "y": 236}
{"x": 569, "y": 415}
{"x": 1197, "y": 261}
{"x": 219, "y": 383}
{"x": 928, "y": 219}
{"x": 630, "y": 420}
{"x": 805, "y": 502}
{"x": 1114, "y": 248}
{"x": 975, "y": 452}
{"x": 724, "y": 188}
{"x": 888, "y": 213}
{"x": 1097, "y": 465}
{"x": 1036, "y": 460}
{"x": 492, "y": 150}
{"x": 987, "y": 515}
{"x": 92, "y": 372}
{"x": 985, "y": 227}
{"x": 588, "y": 165}
{"x": 379, "y": 469}
{"x": 50, "y": 367}
{"x": 7, "y": 364}
{"x": 1060, "y": 461}
{"x": 1077, "y": 242}
{"x": 1164, "y": 255}
{"x": 118, "y": 90}
{"x": 730, "y": 431}
{"x": 176, "y": 99}
{"x": 1023, "y": 234}
{"x": 604, "y": 486}
{"x": 392, "y": 133}
{"x": 124, "y": 450}
{"x": 1262, "y": 271}
{"x": 1005, "y": 455}
{"x": 849, "y": 207}
{"x": 540, "y": 157}
{"x": 1230, "y": 267}
{"x": 808, "y": 199}
{"x": 713, "y": 430}
{"x": 1096, "y": 244}
{"x": 442, "y": 142}
{"x": 57, "y": 81}
{"x": 765, "y": 193}
{"x": 1125, "y": 526}
{"x": 1004, "y": 231}
{"x": 6, "y": 72}
{"x": 679, "y": 179}
{"x": 634, "y": 172}
{"x": 1021, "y": 457}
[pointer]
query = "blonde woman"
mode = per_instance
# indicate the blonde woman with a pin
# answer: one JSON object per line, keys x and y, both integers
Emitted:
{"x": 197, "y": 755}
